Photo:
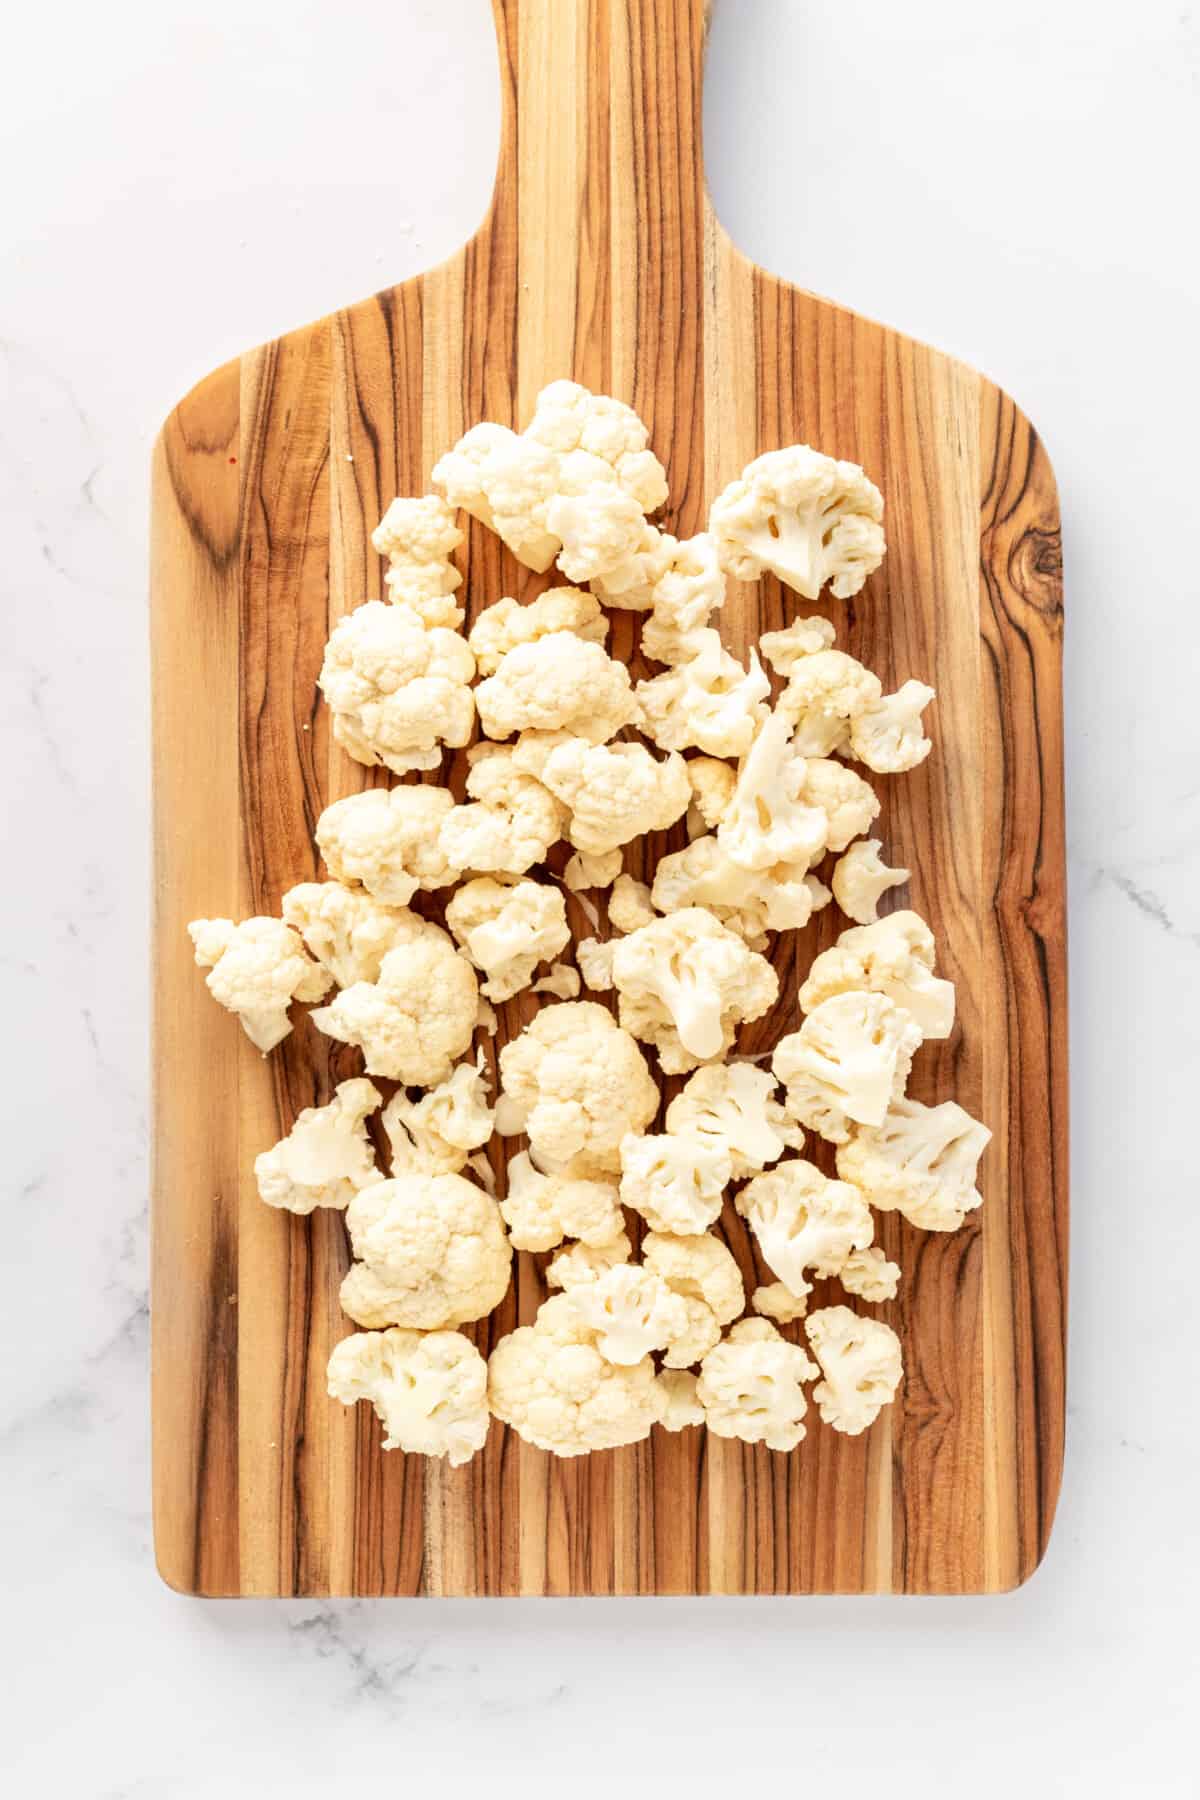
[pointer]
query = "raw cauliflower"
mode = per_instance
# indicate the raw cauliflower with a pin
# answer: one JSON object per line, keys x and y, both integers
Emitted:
{"x": 595, "y": 963}
{"x": 777, "y": 1302}
{"x": 550, "y": 1382}
{"x": 436, "y": 1134}
{"x": 506, "y": 482}
{"x": 559, "y": 682}
{"x": 683, "y": 599}
{"x": 869, "y": 1274}
{"x": 699, "y": 1268}
{"x": 510, "y": 821}
{"x": 256, "y": 969}
{"x": 803, "y": 517}
{"x": 386, "y": 840}
{"x": 630, "y": 587}
{"x": 686, "y": 983}
{"x": 577, "y": 1263}
{"x": 861, "y": 878}
{"x": 683, "y": 1406}
{"x": 850, "y": 805}
{"x": 507, "y": 926}
{"x": 584, "y": 871}
{"x": 631, "y": 1311}
{"x": 615, "y": 792}
{"x": 432, "y": 1253}
{"x": 419, "y": 1017}
{"x": 751, "y": 902}
{"x": 541, "y": 1210}
{"x": 348, "y": 931}
{"x": 861, "y": 1365}
{"x": 418, "y": 538}
{"x": 629, "y": 905}
{"x": 675, "y": 1182}
{"x": 429, "y": 1389}
{"x": 751, "y": 1386}
{"x": 507, "y": 623}
{"x": 731, "y": 1107}
{"x": 326, "y": 1156}
{"x": 848, "y": 1063}
{"x": 824, "y": 693}
{"x": 561, "y": 980}
{"x": 579, "y": 1082}
{"x": 712, "y": 782}
{"x": 571, "y": 420}
{"x": 801, "y": 1220}
{"x": 785, "y": 650}
{"x": 399, "y": 693}
{"x": 889, "y": 736}
{"x": 771, "y": 818}
{"x": 894, "y": 956}
{"x": 708, "y": 702}
{"x": 922, "y": 1161}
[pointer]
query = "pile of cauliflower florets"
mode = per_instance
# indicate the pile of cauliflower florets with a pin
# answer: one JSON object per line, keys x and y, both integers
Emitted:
{"x": 570, "y": 751}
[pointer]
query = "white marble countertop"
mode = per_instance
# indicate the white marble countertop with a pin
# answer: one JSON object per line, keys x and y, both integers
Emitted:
{"x": 1010, "y": 183}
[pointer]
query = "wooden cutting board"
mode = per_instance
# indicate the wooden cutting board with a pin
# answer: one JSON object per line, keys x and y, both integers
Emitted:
{"x": 601, "y": 259}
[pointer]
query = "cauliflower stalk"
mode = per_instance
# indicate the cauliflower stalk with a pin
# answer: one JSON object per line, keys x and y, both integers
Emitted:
{"x": 686, "y": 983}
{"x": 429, "y": 1389}
{"x": 326, "y": 1156}
{"x": 806, "y": 518}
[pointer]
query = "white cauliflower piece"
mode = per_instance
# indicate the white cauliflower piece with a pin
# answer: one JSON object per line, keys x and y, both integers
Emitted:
{"x": 731, "y": 1108}
{"x": 616, "y": 792}
{"x": 848, "y": 1062}
{"x": 861, "y": 878}
{"x": 584, "y": 871}
{"x": 785, "y": 649}
{"x": 600, "y": 528}
{"x": 803, "y": 517}
{"x": 630, "y": 587}
{"x": 348, "y": 931}
{"x": 256, "y": 969}
{"x": 629, "y": 906}
{"x": 686, "y": 983}
{"x": 751, "y": 902}
{"x": 861, "y": 1364}
{"x": 631, "y": 1311}
{"x": 776, "y": 1301}
{"x": 850, "y": 805}
{"x": 889, "y": 736}
{"x": 825, "y": 692}
{"x": 894, "y": 956}
{"x": 326, "y": 1156}
{"x": 869, "y": 1274}
{"x": 802, "y": 1220}
{"x": 502, "y": 626}
{"x": 698, "y": 1268}
{"x": 579, "y": 1082}
{"x": 587, "y": 1262}
{"x": 682, "y": 601}
{"x": 595, "y": 963}
{"x": 559, "y": 682}
{"x": 506, "y": 482}
{"x": 510, "y": 821}
{"x": 676, "y": 1183}
{"x": 770, "y": 818}
{"x": 922, "y": 1161}
{"x": 561, "y": 980}
{"x": 550, "y": 1382}
{"x": 386, "y": 840}
{"x": 571, "y": 420}
{"x": 708, "y": 702}
{"x": 541, "y": 1210}
{"x": 507, "y": 926}
{"x": 435, "y": 1134}
{"x": 712, "y": 783}
{"x": 418, "y": 537}
{"x": 429, "y": 1389}
{"x": 683, "y": 1405}
{"x": 751, "y": 1388}
{"x": 398, "y": 692}
{"x": 415, "y": 1021}
{"x": 432, "y": 1253}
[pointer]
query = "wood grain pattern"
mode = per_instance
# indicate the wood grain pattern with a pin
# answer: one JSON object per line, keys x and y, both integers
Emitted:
{"x": 601, "y": 258}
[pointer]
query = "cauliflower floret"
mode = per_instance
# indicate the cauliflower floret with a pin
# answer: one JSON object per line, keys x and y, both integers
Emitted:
{"x": 600, "y": 528}
{"x": 506, "y": 482}
{"x": 861, "y": 877}
{"x": 629, "y": 905}
{"x": 869, "y": 1274}
{"x": 630, "y": 587}
{"x": 849, "y": 804}
{"x": 502, "y": 626}
{"x": 731, "y": 1107}
{"x": 418, "y": 537}
{"x": 587, "y": 1262}
{"x": 683, "y": 599}
{"x": 584, "y": 871}
{"x": 676, "y": 1183}
{"x": 398, "y": 692}
{"x": 429, "y": 1389}
{"x": 559, "y": 682}
{"x": 698, "y": 1268}
{"x": 561, "y": 980}
{"x": 683, "y": 1407}
{"x": 686, "y": 983}
{"x": 860, "y": 1362}
{"x": 805, "y": 518}
{"x": 770, "y": 818}
{"x": 632, "y": 1312}
{"x": 825, "y": 691}
{"x": 348, "y": 931}
{"x": 511, "y": 821}
{"x": 802, "y": 1220}
{"x": 507, "y": 927}
{"x": 580, "y": 1083}
{"x": 785, "y": 649}
{"x": 848, "y": 1062}
{"x": 551, "y": 1384}
{"x": 751, "y": 902}
{"x": 709, "y": 702}
{"x": 326, "y": 1156}
{"x": 616, "y": 792}
{"x": 895, "y": 956}
{"x": 432, "y": 1253}
{"x": 386, "y": 840}
{"x": 595, "y": 963}
{"x": 751, "y": 1388}
{"x": 569, "y": 418}
{"x": 921, "y": 1161}
{"x": 256, "y": 969}
{"x": 435, "y": 1134}
{"x": 776, "y": 1301}
{"x": 541, "y": 1210}
{"x": 889, "y": 736}
{"x": 415, "y": 1021}
{"x": 712, "y": 783}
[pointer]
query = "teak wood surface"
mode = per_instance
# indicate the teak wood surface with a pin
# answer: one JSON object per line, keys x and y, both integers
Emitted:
{"x": 600, "y": 258}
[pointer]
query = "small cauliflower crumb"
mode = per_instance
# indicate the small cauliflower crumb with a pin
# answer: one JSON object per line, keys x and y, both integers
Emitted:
{"x": 256, "y": 969}
{"x": 561, "y": 980}
{"x": 429, "y": 1389}
{"x": 326, "y": 1156}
